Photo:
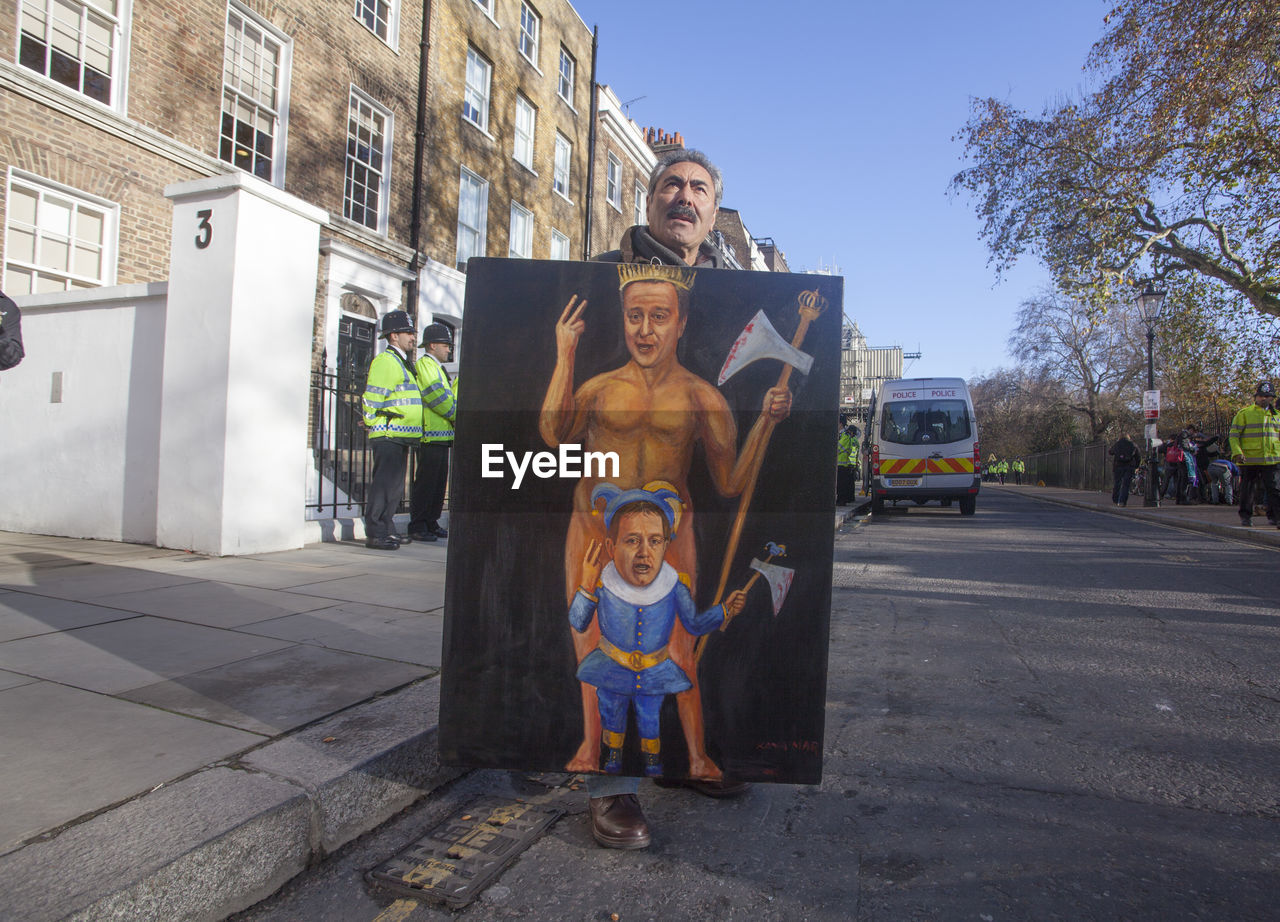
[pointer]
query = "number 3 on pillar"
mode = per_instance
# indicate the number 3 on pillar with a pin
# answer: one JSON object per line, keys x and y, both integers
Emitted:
{"x": 205, "y": 228}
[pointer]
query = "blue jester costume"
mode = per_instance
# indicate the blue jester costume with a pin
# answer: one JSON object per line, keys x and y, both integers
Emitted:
{"x": 632, "y": 665}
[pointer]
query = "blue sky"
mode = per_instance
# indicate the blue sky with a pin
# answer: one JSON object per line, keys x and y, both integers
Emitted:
{"x": 833, "y": 124}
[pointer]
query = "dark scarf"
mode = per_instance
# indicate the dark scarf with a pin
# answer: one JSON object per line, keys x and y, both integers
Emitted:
{"x": 639, "y": 246}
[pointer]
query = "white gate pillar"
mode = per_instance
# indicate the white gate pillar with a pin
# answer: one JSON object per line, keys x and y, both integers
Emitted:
{"x": 237, "y": 363}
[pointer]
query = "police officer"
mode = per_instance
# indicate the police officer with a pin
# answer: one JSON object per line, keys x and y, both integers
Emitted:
{"x": 392, "y": 406}
{"x": 846, "y": 462}
{"x": 439, "y": 404}
{"x": 1255, "y": 447}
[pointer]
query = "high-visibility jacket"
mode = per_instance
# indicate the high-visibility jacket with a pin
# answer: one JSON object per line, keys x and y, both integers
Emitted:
{"x": 1019, "y": 467}
{"x": 1255, "y": 434}
{"x": 846, "y": 450}
{"x": 392, "y": 402}
{"x": 439, "y": 400}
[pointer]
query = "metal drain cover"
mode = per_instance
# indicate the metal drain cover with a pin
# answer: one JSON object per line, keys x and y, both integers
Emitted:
{"x": 459, "y": 858}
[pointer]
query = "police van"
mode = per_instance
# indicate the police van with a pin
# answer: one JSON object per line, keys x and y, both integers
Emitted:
{"x": 924, "y": 444}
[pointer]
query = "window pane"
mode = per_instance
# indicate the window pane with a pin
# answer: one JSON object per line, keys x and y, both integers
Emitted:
{"x": 17, "y": 281}
{"x": 55, "y": 216}
{"x": 88, "y": 262}
{"x": 22, "y": 207}
{"x": 22, "y": 246}
{"x": 89, "y": 227}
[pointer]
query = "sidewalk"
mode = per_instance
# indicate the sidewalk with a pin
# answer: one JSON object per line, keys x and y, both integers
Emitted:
{"x": 1220, "y": 520}
{"x": 183, "y": 734}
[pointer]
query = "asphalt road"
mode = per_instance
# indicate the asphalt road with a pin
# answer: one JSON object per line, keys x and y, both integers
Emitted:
{"x": 1034, "y": 713}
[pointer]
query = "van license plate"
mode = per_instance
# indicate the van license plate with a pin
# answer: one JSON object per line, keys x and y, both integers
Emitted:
{"x": 904, "y": 481}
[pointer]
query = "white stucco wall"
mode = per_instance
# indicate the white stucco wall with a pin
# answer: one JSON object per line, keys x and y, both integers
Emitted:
{"x": 83, "y": 462}
{"x": 233, "y": 450}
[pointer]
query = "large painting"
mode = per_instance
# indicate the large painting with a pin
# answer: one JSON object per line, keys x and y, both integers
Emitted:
{"x": 641, "y": 521}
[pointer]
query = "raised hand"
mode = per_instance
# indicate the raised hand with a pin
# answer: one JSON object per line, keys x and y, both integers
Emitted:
{"x": 592, "y": 564}
{"x": 570, "y": 326}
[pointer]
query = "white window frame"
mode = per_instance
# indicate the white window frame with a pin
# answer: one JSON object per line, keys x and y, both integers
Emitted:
{"x": 93, "y": 21}
{"x": 525, "y": 136}
{"x": 613, "y": 182}
{"x": 477, "y": 232}
{"x": 364, "y": 112}
{"x": 520, "y": 238}
{"x": 566, "y": 75}
{"x": 530, "y": 36}
{"x": 559, "y": 245}
{"x": 478, "y": 87}
{"x": 487, "y": 6}
{"x": 641, "y": 215}
{"x": 279, "y": 113}
{"x": 561, "y": 175}
{"x": 366, "y": 9}
{"x": 48, "y": 193}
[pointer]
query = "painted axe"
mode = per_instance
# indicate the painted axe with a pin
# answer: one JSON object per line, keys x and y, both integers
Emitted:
{"x": 759, "y": 340}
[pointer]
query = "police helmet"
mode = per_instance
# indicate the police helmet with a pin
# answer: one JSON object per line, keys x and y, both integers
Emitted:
{"x": 395, "y": 322}
{"x": 436, "y": 333}
{"x": 1264, "y": 389}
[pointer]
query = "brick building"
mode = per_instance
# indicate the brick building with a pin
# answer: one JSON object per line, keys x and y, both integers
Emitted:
{"x": 623, "y": 162}
{"x": 106, "y": 102}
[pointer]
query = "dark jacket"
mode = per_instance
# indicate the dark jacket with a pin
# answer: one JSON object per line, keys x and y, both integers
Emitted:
{"x": 1124, "y": 452}
{"x": 11, "y": 351}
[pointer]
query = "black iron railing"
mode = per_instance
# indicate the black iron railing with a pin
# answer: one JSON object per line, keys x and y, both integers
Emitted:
{"x": 340, "y": 444}
{"x": 1082, "y": 467}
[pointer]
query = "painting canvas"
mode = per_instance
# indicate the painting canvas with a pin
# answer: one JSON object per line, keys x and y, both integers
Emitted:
{"x": 642, "y": 521}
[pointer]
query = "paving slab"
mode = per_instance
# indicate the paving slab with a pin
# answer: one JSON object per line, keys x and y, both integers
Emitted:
{"x": 280, "y": 691}
{"x": 13, "y": 679}
{"x": 245, "y": 571}
{"x": 89, "y": 582}
{"x": 375, "y": 630}
{"x": 215, "y": 604}
{"x": 417, "y": 591}
{"x": 69, "y": 752}
{"x": 121, "y": 655}
{"x": 23, "y": 614}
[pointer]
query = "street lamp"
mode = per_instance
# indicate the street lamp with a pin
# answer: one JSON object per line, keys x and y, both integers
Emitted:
{"x": 1150, "y": 303}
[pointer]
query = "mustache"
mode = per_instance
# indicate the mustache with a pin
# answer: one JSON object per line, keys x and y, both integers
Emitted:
{"x": 682, "y": 211}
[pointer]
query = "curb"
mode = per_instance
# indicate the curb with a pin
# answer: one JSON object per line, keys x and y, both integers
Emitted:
{"x": 1261, "y": 538}
{"x": 231, "y": 834}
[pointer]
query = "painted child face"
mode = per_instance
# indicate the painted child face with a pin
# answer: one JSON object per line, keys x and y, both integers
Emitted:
{"x": 638, "y": 550}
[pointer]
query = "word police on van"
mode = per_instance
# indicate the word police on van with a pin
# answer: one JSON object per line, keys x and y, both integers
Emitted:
{"x": 924, "y": 444}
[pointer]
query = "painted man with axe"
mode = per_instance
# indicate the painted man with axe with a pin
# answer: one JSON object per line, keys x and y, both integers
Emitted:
{"x": 652, "y": 412}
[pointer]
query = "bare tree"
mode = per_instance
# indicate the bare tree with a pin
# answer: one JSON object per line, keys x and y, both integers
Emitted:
{"x": 1096, "y": 357}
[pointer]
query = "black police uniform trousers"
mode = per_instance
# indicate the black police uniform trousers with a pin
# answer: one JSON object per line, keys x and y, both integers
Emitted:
{"x": 430, "y": 478}
{"x": 386, "y": 486}
{"x": 1264, "y": 474}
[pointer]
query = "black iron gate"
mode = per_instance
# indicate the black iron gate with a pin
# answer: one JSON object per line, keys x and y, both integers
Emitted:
{"x": 340, "y": 443}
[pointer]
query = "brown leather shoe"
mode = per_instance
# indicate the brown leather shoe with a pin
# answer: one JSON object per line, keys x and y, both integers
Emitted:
{"x": 718, "y": 789}
{"x": 618, "y": 822}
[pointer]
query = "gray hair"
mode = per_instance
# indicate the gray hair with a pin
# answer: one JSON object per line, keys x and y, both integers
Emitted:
{"x": 687, "y": 155}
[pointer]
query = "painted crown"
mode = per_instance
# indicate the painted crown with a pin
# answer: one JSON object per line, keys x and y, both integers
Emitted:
{"x": 649, "y": 272}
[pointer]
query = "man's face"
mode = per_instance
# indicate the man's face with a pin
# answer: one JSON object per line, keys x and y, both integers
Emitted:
{"x": 438, "y": 351}
{"x": 651, "y": 322}
{"x": 402, "y": 341}
{"x": 682, "y": 208}
{"x": 638, "y": 550}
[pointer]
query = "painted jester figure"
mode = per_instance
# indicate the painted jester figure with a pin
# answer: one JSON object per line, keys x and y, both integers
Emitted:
{"x": 638, "y": 598}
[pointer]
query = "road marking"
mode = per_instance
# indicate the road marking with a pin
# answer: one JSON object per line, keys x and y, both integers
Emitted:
{"x": 397, "y": 911}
